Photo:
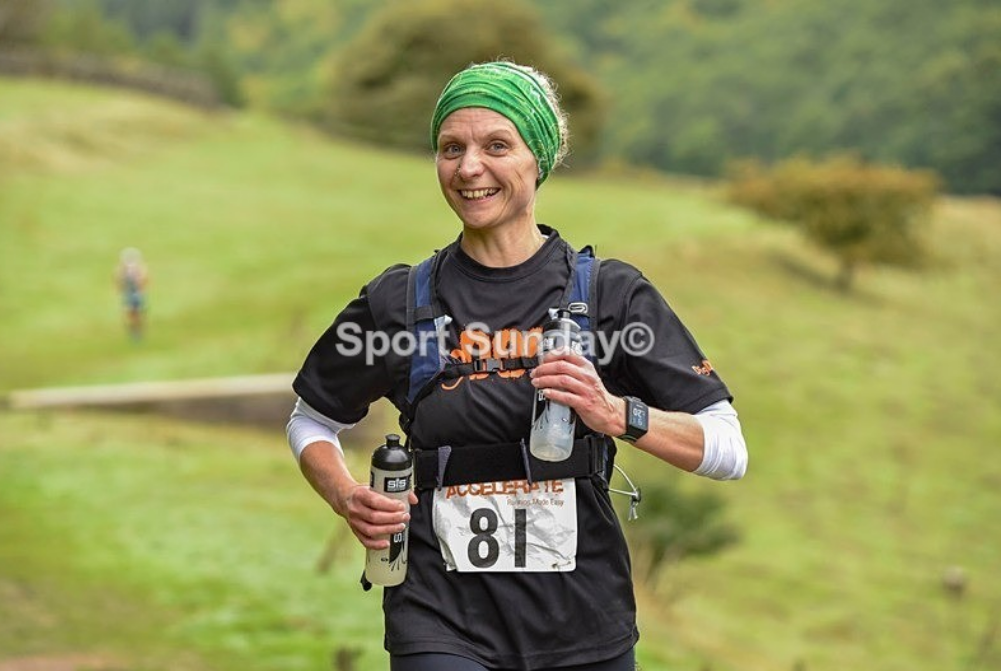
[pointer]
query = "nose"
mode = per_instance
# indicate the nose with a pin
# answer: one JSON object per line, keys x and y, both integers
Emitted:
{"x": 470, "y": 165}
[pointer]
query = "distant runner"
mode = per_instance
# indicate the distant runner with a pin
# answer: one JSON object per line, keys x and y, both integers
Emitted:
{"x": 131, "y": 278}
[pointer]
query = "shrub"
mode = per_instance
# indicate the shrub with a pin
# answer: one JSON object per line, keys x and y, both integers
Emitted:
{"x": 861, "y": 213}
{"x": 673, "y": 525}
{"x": 385, "y": 83}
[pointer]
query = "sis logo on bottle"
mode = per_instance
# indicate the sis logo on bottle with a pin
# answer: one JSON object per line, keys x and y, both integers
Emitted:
{"x": 396, "y": 485}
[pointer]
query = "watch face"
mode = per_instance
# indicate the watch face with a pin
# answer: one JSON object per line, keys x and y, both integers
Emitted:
{"x": 638, "y": 416}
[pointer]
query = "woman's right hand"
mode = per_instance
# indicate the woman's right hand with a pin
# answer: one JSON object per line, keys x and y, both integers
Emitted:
{"x": 372, "y": 516}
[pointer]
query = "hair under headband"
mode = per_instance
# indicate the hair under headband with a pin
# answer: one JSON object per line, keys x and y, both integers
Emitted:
{"x": 513, "y": 92}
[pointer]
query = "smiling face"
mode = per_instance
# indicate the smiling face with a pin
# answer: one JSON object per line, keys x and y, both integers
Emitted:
{"x": 486, "y": 171}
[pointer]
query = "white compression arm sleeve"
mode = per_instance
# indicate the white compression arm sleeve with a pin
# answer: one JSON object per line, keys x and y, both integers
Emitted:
{"x": 307, "y": 425}
{"x": 725, "y": 452}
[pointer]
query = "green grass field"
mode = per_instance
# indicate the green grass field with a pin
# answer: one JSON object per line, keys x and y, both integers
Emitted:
{"x": 871, "y": 418}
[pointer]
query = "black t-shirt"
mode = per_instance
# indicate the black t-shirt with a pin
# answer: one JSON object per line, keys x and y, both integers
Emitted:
{"x": 509, "y": 620}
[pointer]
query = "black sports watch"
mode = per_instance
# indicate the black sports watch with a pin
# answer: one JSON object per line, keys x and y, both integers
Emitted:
{"x": 637, "y": 419}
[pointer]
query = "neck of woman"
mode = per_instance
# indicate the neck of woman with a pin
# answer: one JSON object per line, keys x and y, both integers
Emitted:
{"x": 502, "y": 247}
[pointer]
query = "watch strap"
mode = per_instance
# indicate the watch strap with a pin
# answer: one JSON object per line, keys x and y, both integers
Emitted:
{"x": 637, "y": 419}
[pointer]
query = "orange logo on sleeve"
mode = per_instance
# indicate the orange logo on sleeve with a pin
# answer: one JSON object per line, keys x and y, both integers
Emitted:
{"x": 705, "y": 369}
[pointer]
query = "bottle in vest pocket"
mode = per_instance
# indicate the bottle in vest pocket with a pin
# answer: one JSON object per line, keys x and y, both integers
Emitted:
{"x": 553, "y": 423}
{"x": 392, "y": 473}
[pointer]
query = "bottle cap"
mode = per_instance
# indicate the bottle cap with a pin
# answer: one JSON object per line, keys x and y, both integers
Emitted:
{"x": 392, "y": 456}
{"x": 562, "y": 320}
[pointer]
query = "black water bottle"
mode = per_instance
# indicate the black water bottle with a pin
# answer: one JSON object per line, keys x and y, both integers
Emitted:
{"x": 392, "y": 474}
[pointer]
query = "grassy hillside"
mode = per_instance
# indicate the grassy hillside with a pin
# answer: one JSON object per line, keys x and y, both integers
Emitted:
{"x": 871, "y": 418}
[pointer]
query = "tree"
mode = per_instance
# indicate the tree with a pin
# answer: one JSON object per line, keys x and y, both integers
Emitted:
{"x": 861, "y": 213}
{"x": 281, "y": 51}
{"x": 21, "y": 21}
{"x": 385, "y": 83}
{"x": 83, "y": 28}
{"x": 165, "y": 49}
{"x": 217, "y": 64}
{"x": 148, "y": 18}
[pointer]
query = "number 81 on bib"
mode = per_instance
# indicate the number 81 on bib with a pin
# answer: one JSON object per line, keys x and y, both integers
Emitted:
{"x": 508, "y": 526}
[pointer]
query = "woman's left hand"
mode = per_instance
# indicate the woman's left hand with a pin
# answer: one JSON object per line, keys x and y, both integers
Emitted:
{"x": 572, "y": 380}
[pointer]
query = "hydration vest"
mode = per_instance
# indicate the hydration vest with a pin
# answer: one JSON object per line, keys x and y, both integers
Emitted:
{"x": 439, "y": 466}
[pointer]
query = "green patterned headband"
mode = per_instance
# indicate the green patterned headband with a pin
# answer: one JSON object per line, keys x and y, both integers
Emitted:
{"x": 513, "y": 92}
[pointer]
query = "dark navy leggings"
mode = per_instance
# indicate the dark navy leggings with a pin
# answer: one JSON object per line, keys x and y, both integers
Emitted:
{"x": 438, "y": 662}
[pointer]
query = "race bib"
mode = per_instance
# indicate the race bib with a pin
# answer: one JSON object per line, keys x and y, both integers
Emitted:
{"x": 508, "y": 526}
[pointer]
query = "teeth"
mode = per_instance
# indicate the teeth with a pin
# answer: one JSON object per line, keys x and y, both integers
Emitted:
{"x": 476, "y": 194}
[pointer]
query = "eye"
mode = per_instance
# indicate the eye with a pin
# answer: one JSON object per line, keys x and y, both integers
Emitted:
{"x": 497, "y": 146}
{"x": 450, "y": 150}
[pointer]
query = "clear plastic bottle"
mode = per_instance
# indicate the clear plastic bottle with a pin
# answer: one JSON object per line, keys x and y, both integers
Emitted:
{"x": 553, "y": 423}
{"x": 392, "y": 471}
